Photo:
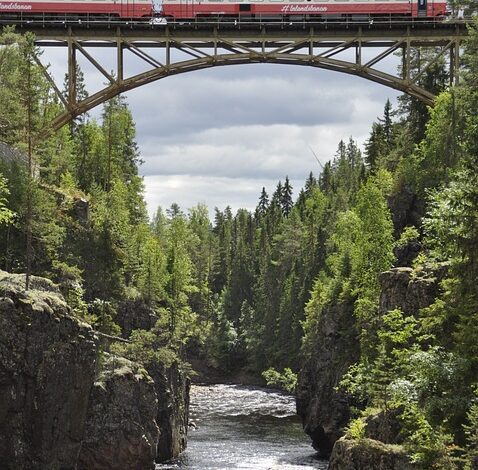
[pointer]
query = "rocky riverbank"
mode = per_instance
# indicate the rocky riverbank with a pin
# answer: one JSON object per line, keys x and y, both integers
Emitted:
{"x": 64, "y": 404}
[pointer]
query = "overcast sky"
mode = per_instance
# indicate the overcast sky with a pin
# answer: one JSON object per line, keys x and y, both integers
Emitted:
{"x": 217, "y": 136}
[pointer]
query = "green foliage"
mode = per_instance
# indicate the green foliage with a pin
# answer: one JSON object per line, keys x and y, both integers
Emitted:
{"x": 6, "y": 215}
{"x": 471, "y": 433}
{"x": 440, "y": 150}
{"x": 102, "y": 316}
{"x": 285, "y": 380}
{"x": 409, "y": 233}
{"x": 429, "y": 446}
{"x": 378, "y": 377}
{"x": 356, "y": 429}
{"x": 222, "y": 338}
{"x": 144, "y": 348}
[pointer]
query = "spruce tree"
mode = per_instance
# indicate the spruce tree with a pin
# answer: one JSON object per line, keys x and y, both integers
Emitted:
{"x": 263, "y": 205}
{"x": 286, "y": 198}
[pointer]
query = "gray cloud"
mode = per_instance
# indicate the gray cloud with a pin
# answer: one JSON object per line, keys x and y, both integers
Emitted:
{"x": 287, "y": 95}
{"x": 248, "y": 151}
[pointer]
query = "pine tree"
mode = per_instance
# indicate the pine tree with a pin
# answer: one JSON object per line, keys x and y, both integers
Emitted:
{"x": 326, "y": 178}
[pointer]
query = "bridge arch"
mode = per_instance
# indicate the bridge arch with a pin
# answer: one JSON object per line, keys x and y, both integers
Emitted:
{"x": 208, "y": 46}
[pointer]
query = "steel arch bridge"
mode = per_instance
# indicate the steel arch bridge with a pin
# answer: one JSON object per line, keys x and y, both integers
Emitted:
{"x": 189, "y": 46}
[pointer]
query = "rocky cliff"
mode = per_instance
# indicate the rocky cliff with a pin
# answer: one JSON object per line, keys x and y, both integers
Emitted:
{"x": 408, "y": 290}
{"x": 47, "y": 369}
{"x": 171, "y": 385}
{"x": 324, "y": 409}
{"x": 66, "y": 405}
{"x": 173, "y": 411}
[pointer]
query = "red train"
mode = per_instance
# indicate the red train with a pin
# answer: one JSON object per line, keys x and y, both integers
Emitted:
{"x": 253, "y": 9}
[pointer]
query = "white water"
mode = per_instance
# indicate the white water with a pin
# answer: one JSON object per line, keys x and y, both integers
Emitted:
{"x": 247, "y": 428}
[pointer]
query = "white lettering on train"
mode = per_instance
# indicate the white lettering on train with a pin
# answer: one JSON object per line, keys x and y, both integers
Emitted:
{"x": 303, "y": 9}
{"x": 14, "y": 6}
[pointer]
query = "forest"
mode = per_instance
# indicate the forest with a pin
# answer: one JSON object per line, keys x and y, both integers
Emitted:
{"x": 247, "y": 289}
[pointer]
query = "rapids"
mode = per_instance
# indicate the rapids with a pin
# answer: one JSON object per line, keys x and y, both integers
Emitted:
{"x": 247, "y": 428}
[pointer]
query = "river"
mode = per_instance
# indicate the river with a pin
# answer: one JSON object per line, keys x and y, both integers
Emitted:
{"x": 247, "y": 428}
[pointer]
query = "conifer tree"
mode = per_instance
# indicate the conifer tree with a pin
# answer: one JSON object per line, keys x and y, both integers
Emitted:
{"x": 263, "y": 205}
{"x": 286, "y": 198}
{"x": 374, "y": 147}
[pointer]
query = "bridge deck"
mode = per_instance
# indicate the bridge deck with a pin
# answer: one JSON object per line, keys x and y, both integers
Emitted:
{"x": 376, "y": 33}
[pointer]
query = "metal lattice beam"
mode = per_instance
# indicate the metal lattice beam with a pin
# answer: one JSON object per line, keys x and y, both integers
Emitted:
{"x": 340, "y": 48}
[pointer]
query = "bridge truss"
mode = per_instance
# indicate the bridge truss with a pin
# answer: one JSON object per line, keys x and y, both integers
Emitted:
{"x": 168, "y": 49}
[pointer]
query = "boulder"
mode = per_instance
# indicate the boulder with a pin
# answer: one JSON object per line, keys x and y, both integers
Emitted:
{"x": 81, "y": 210}
{"x": 121, "y": 430}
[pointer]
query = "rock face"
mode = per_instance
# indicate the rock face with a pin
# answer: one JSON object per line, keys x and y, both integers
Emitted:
{"x": 134, "y": 315}
{"x": 385, "y": 427}
{"x": 121, "y": 431}
{"x": 406, "y": 209}
{"x": 173, "y": 412}
{"x": 324, "y": 410}
{"x": 406, "y": 254}
{"x": 47, "y": 368}
{"x": 368, "y": 454}
{"x": 402, "y": 289}
{"x": 81, "y": 210}
{"x": 62, "y": 408}
{"x": 171, "y": 385}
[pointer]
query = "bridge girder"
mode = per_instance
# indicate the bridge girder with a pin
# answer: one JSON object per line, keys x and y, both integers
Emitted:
{"x": 212, "y": 45}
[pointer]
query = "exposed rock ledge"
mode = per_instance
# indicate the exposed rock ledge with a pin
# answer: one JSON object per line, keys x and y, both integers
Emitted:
{"x": 368, "y": 454}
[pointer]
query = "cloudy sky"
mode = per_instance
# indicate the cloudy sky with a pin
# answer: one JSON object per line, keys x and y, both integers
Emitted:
{"x": 218, "y": 136}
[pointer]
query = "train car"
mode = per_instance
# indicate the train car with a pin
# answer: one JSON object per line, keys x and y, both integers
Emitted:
{"x": 250, "y": 9}
{"x": 307, "y": 9}
{"x": 80, "y": 8}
